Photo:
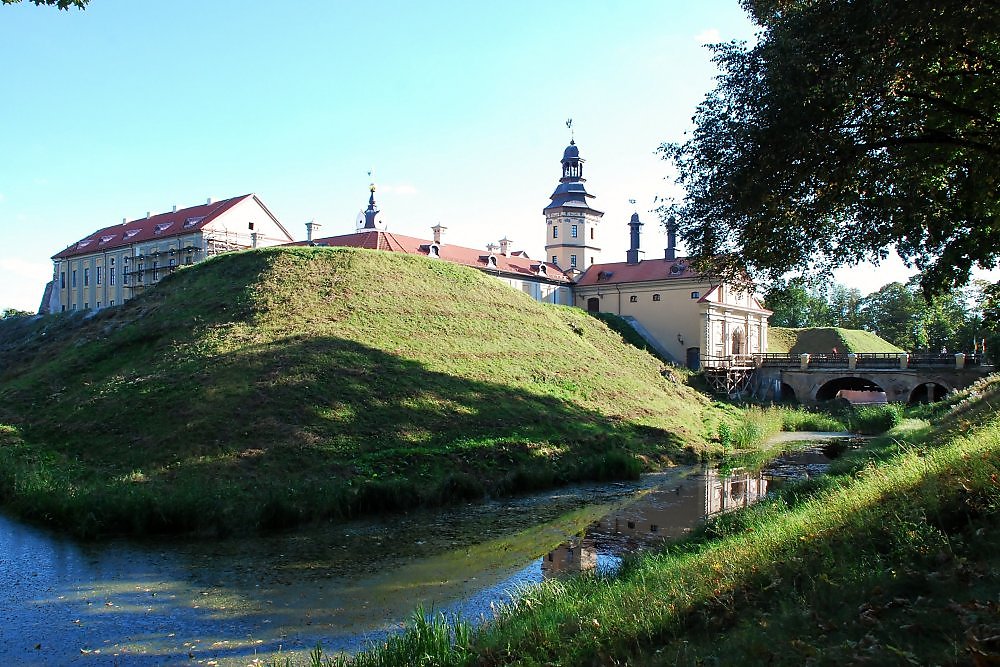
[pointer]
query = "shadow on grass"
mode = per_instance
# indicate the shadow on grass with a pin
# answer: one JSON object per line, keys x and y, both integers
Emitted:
{"x": 309, "y": 428}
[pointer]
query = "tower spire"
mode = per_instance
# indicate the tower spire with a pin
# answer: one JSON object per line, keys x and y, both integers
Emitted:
{"x": 371, "y": 213}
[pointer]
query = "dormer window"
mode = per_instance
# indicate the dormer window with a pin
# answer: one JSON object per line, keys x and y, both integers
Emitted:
{"x": 162, "y": 227}
{"x": 106, "y": 239}
{"x": 129, "y": 233}
{"x": 542, "y": 270}
{"x": 491, "y": 261}
{"x": 84, "y": 243}
{"x": 191, "y": 222}
{"x": 677, "y": 268}
{"x": 434, "y": 251}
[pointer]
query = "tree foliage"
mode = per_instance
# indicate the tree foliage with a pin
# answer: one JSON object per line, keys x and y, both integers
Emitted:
{"x": 61, "y": 4}
{"x": 897, "y": 312}
{"x": 850, "y": 127}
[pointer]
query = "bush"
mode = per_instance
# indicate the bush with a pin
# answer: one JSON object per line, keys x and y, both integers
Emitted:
{"x": 875, "y": 419}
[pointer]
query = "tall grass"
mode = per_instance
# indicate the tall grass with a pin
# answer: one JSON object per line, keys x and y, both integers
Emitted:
{"x": 842, "y": 566}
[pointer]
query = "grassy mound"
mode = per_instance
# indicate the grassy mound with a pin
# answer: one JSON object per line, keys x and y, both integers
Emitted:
{"x": 823, "y": 340}
{"x": 279, "y": 385}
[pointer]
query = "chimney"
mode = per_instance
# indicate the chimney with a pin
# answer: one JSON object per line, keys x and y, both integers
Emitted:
{"x": 208, "y": 201}
{"x": 124, "y": 220}
{"x": 671, "y": 250}
{"x": 311, "y": 226}
{"x": 175, "y": 209}
{"x": 437, "y": 229}
{"x": 148, "y": 215}
{"x": 632, "y": 256}
{"x": 504, "y": 246}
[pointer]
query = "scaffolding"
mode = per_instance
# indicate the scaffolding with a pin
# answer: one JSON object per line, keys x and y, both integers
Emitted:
{"x": 730, "y": 375}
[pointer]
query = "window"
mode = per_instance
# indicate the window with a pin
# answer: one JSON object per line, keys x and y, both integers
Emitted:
{"x": 573, "y": 231}
{"x": 656, "y": 297}
{"x": 654, "y": 528}
{"x": 591, "y": 261}
{"x": 138, "y": 277}
{"x": 572, "y": 260}
{"x": 63, "y": 308}
{"x": 172, "y": 262}
{"x": 555, "y": 260}
{"x": 62, "y": 280}
{"x": 633, "y": 299}
{"x": 188, "y": 259}
{"x": 555, "y": 232}
{"x": 591, "y": 233}
{"x": 156, "y": 273}
{"x": 73, "y": 282}
{"x": 86, "y": 277}
{"x": 98, "y": 305}
{"x": 98, "y": 274}
{"x": 111, "y": 303}
{"x": 86, "y": 305}
{"x": 111, "y": 272}
{"x": 695, "y": 295}
{"x": 631, "y": 524}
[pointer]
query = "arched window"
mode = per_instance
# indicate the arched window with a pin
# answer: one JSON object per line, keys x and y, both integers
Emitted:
{"x": 593, "y": 304}
{"x": 737, "y": 339}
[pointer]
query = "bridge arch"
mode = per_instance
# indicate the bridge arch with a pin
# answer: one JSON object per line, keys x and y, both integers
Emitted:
{"x": 828, "y": 390}
{"x": 928, "y": 392}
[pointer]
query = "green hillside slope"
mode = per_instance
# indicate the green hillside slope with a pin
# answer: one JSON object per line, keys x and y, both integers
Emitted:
{"x": 823, "y": 340}
{"x": 280, "y": 385}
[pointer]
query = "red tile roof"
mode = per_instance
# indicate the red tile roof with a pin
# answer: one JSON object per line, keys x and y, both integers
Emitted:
{"x": 163, "y": 225}
{"x": 516, "y": 264}
{"x": 646, "y": 269}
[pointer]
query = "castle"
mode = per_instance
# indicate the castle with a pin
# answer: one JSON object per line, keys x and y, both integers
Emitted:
{"x": 687, "y": 317}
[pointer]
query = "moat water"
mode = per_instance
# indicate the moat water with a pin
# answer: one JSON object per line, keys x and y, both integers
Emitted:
{"x": 234, "y": 601}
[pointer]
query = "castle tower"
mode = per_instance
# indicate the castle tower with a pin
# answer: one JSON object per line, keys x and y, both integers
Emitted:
{"x": 571, "y": 229}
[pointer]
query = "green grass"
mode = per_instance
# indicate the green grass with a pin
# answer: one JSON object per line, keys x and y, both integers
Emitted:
{"x": 823, "y": 340}
{"x": 892, "y": 558}
{"x": 275, "y": 386}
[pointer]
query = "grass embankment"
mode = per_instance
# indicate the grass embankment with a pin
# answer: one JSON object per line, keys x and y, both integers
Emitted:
{"x": 823, "y": 340}
{"x": 275, "y": 386}
{"x": 893, "y": 558}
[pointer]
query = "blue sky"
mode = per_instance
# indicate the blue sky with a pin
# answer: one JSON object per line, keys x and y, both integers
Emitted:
{"x": 460, "y": 108}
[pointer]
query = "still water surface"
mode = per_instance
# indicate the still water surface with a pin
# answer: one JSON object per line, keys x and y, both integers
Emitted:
{"x": 233, "y": 601}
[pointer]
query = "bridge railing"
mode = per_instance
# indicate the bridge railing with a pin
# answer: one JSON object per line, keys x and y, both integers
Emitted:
{"x": 866, "y": 360}
{"x": 729, "y": 361}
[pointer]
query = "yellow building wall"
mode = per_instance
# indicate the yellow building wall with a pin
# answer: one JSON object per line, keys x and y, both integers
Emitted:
{"x": 561, "y": 246}
{"x": 673, "y": 312}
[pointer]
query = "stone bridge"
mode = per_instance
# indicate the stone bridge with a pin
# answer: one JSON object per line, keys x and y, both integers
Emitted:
{"x": 905, "y": 378}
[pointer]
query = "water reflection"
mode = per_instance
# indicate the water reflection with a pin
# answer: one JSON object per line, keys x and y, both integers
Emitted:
{"x": 673, "y": 509}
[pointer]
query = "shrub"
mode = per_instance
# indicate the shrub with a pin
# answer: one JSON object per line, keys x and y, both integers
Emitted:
{"x": 874, "y": 419}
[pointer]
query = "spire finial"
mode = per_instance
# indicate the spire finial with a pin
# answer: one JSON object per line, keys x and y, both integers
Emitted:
{"x": 569, "y": 124}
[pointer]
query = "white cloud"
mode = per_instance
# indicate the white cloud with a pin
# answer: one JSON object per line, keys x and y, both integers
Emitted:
{"x": 709, "y": 36}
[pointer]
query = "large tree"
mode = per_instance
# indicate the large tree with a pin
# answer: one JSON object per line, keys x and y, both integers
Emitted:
{"x": 61, "y": 4}
{"x": 849, "y": 128}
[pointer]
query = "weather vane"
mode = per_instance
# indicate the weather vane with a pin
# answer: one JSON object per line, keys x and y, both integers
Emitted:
{"x": 569, "y": 124}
